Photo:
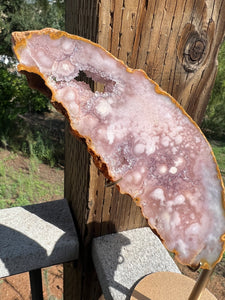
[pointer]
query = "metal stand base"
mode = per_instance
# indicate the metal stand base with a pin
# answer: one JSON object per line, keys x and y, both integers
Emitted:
{"x": 36, "y": 284}
{"x": 169, "y": 286}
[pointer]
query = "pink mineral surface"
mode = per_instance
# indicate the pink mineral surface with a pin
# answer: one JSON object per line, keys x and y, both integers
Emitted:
{"x": 148, "y": 143}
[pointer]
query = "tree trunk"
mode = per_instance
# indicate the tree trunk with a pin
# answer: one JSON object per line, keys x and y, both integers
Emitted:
{"x": 176, "y": 43}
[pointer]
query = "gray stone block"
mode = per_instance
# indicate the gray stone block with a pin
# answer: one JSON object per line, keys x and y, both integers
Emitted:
{"x": 36, "y": 236}
{"x": 122, "y": 259}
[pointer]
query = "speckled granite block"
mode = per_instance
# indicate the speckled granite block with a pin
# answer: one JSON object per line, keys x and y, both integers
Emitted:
{"x": 36, "y": 236}
{"x": 122, "y": 259}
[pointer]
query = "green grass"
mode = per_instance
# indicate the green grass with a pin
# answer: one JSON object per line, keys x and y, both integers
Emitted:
{"x": 23, "y": 187}
{"x": 219, "y": 151}
{"x": 40, "y": 139}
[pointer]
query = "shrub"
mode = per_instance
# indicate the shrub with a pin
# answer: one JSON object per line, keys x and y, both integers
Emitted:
{"x": 214, "y": 122}
{"x": 16, "y": 97}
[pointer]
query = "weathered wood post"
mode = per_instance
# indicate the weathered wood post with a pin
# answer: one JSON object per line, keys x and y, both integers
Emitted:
{"x": 176, "y": 43}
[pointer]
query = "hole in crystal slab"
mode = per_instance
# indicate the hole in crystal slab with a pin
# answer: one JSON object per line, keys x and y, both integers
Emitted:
{"x": 96, "y": 82}
{"x": 83, "y": 77}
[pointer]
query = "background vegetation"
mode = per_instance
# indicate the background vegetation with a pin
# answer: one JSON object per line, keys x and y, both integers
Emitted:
{"x": 16, "y": 98}
{"x": 214, "y": 122}
{"x": 20, "y": 15}
{"x": 26, "y": 180}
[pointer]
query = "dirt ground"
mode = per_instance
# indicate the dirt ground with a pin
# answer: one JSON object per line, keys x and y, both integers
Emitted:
{"x": 17, "y": 287}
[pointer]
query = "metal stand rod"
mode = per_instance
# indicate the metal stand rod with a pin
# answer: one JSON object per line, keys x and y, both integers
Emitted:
{"x": 36, "y": 284}
{"x": 200, "y": 284}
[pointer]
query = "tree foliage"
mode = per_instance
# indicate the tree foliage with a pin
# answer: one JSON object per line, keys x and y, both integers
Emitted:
{"x": 214, "y": 121}
{"x": 21, "y": 15}
{"x": 16, "y": 98}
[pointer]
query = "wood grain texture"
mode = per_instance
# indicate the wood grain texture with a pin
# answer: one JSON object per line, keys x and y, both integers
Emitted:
{"x": 176, "y": 42}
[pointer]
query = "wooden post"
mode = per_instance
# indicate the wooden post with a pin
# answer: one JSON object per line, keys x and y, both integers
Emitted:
{"x": 176, "y": 43}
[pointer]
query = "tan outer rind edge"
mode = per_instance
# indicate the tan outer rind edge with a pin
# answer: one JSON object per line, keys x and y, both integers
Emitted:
{"x": 20, "y": 40}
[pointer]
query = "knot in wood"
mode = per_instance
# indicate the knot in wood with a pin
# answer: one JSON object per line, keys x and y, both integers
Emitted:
{"x": 192, "y": 48}
{"x": 194, "y": 52}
